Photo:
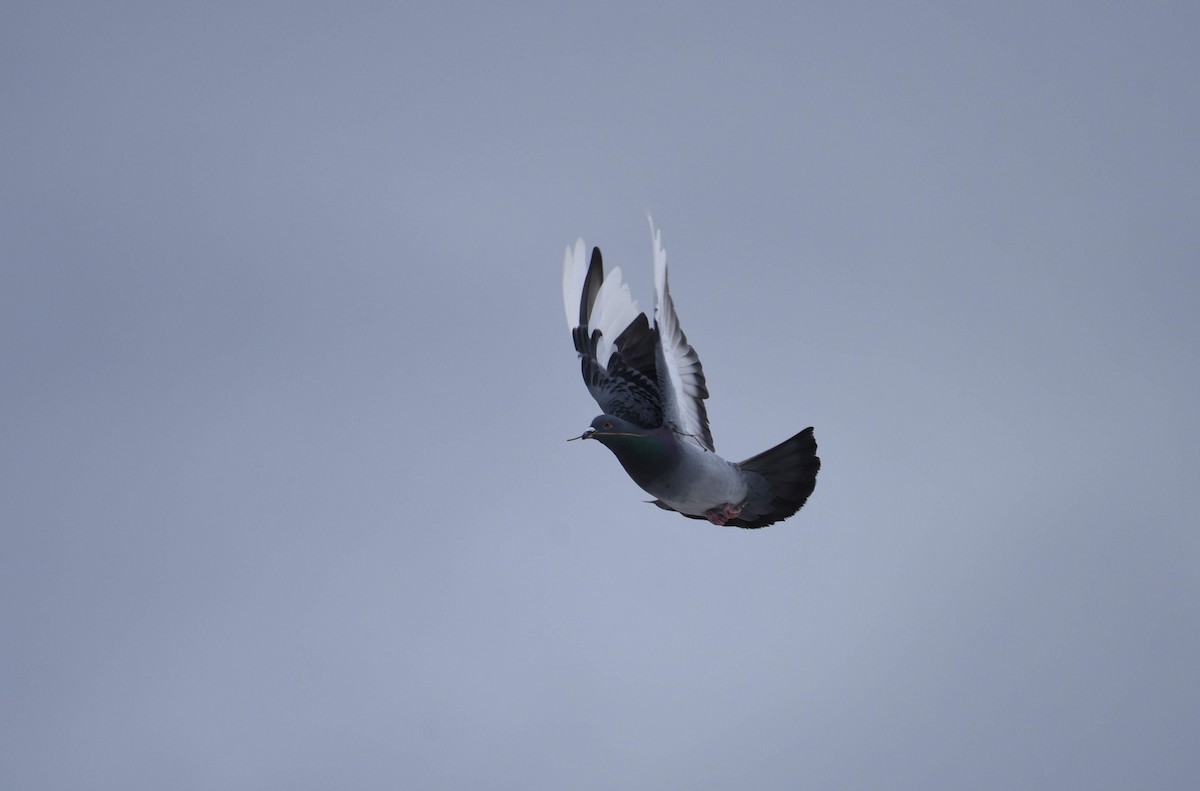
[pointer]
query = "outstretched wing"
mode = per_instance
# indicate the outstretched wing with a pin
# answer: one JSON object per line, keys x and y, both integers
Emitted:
{"x": 614, "y": 340}
{"x": 680, "y": 377}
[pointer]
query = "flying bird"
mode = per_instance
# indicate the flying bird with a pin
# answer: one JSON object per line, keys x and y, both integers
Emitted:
{"x": 648, "y": 381}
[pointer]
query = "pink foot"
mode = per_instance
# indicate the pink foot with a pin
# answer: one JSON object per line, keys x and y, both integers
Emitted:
{"x": 722, "y": 513}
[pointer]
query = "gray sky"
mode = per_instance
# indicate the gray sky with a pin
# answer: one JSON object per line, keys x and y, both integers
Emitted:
{"x": 286, "y": 501}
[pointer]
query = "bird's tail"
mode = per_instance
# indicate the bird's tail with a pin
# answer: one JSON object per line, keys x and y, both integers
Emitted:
{"x": 781, "y": 479}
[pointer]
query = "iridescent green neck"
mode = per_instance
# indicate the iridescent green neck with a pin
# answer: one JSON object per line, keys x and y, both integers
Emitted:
{"x": 645, "y": 456}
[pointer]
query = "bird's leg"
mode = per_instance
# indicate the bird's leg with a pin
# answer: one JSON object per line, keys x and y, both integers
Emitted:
{"x": 722, "y": 513}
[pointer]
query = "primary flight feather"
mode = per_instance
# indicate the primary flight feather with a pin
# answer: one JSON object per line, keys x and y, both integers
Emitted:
{"x": 648, "y": 381}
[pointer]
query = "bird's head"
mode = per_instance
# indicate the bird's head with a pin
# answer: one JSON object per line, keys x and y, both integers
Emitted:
{"x": 609, "y": 429}
{"x": 643, "y": 452}
{"x": 613, "y": 432}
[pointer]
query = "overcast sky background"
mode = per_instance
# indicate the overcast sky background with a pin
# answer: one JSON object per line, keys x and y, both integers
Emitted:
{"x": 286, "y": 383}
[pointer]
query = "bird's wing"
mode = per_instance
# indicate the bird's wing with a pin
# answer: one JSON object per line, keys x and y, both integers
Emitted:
{"x": 680, "y": 377}
{"x": 613, "y": 337}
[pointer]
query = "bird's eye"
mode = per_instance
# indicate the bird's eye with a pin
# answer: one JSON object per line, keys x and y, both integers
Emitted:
{"x": 608, "y": 424}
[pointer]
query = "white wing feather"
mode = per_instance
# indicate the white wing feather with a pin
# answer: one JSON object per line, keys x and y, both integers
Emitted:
{"x": 612, "y": 312}
{"x": 575, "y": 266}
{"x": 680, "y": 376}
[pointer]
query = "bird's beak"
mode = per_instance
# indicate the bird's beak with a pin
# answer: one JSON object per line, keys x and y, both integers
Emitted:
{"x": 585, "y": 435}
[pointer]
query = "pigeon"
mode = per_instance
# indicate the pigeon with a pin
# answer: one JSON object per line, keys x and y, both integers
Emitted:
{"x": 647, "y": 379}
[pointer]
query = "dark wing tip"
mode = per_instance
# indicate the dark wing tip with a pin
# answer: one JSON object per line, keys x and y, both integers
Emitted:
{"x": 591, "y": 287}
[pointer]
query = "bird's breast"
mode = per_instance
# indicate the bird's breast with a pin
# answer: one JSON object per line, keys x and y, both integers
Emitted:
{"x": 699, "y": 481}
